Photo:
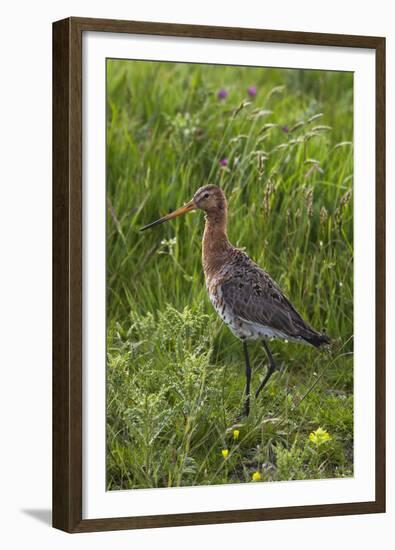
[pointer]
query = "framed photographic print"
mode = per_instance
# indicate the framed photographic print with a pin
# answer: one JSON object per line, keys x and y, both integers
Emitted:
{"x": 218, "y": 274}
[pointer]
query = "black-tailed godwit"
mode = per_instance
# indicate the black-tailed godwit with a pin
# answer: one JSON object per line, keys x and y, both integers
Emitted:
{"x": 246, "y": 298}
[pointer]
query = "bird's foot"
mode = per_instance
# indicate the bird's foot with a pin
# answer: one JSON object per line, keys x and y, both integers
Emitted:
{"x": 244, "y": 413}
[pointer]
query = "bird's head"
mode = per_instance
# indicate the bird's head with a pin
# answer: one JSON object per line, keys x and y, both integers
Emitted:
{"x": 209, "y": 198}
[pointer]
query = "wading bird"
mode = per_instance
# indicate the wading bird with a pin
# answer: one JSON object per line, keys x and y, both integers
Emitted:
{"x": 246, "y": 298}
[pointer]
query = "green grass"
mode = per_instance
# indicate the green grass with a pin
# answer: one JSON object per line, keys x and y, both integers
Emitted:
{"x": 175, "y": 375}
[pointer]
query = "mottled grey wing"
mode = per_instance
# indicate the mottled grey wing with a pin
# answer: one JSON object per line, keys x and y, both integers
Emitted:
{"x": 254, "y": 297}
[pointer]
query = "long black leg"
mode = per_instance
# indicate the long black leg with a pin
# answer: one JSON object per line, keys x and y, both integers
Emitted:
{"x": 248, "y": 380}
{"x": 270, "y": 370}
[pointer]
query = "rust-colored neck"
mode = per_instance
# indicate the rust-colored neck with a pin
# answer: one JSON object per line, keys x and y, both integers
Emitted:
{"x": 216, "y": 246}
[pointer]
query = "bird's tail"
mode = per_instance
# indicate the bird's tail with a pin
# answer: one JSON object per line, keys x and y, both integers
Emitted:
{"x": 316, "y": 339}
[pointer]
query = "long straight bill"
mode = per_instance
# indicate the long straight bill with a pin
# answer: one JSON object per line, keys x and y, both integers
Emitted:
{"x": 183, "y": 210}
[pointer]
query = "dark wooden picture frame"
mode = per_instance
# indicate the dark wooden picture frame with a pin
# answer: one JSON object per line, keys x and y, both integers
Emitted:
{"x": 67, "y": 274}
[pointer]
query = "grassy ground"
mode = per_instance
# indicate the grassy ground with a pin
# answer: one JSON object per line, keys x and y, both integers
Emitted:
{"x": 175, "y": 374}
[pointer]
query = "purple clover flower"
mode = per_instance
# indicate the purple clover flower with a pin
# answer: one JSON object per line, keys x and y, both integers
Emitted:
{"x": 222, "y": 93}
{"x": 285, "y": 129}
{"x": 223, "y": 162}
{"x": 252, "y": 90}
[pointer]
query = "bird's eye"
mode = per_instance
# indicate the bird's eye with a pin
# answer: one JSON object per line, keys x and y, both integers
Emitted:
{"x": 206, "y": 195}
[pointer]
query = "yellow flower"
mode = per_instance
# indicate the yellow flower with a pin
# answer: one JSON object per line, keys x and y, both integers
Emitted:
{"x": 236, "y": 434}
{"x": 319, "y": 436}
{"x": 225, "y": 453}
{"x": 256, "y": 476}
